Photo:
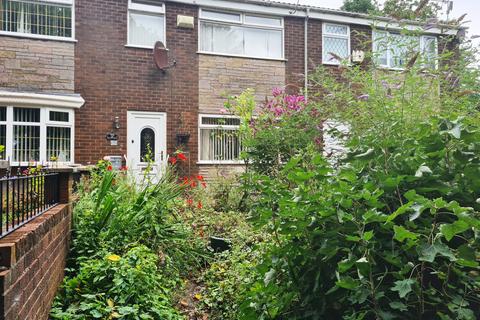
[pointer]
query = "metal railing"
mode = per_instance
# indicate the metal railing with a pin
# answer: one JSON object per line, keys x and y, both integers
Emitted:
{"x": 25, "y": 198}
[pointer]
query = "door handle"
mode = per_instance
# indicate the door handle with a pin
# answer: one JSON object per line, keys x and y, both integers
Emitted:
{"x": 133, "y": 141}
{"x": 161, "y": 155}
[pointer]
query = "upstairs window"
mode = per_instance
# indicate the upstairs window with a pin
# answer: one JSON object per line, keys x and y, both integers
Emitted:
{"x": 241, "y": 34}
{"x": 336, "y": 40}
{"x": 219, "y": 139}
{"x": 393, "y": 50}
{"x": 41, "y": 17}
{"x": 146, "y": 23}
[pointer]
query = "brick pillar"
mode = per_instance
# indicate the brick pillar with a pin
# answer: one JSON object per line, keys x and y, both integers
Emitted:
{"x": 65, "y": 187}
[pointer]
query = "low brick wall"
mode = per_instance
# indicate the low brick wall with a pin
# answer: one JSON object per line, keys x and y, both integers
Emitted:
{"x": 32, "y": 260}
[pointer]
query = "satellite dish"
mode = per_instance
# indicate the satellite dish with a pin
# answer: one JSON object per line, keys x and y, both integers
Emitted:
{"x": 160, "y": 56}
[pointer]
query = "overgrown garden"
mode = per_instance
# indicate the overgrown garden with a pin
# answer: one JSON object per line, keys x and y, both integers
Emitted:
{"x": 387, "y": 228}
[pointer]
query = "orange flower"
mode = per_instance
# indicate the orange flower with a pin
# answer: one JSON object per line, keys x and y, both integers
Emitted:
{"x": 204, "y": 184}
{"x": 181, "y": 157}
{"x": 193, "y": 184}
{"x": 172, "y": 160}
{"x": 200, "y": 178}
{"x": 199, "y": 205}
{"x": 109, "y": 168}
{"x": 190, "y": 202}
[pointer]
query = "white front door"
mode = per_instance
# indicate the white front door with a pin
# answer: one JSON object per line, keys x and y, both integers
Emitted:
{"x": 146, "y": 141}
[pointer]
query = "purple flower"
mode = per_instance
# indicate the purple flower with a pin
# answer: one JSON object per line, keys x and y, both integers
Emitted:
{"x": 277, "y": 92}
{"x": 363, "y": 97}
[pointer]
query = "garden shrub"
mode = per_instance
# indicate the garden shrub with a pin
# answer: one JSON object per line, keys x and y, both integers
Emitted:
{"x": 112, "y": 287}
{"x": 390, "y": 231}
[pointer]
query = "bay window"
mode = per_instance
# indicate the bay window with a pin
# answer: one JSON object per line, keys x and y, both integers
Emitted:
{"x": 51, "y": 18}
{"x": 393, "y": 50}
{"x": 241, "y": 34}
{"x": 32, "y": 135}
{"x": 336, "y": 40}
{"x": 146, "y": 23}
{"x": 219, "y": 139}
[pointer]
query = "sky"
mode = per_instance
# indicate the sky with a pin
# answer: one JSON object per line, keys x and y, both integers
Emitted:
{"x": 471, "y": 7}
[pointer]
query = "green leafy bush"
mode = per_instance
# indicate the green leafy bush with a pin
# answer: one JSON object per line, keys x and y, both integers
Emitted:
{"x": 112, "y": 287}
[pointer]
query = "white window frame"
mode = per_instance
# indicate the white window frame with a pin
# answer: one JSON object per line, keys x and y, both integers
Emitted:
{"x": 338, "y": 36}
{"x": 43, "y": 124}
{"x": 215, "y": 126}
{"x": 241, "y": 23}
{"x": 388, "y": 33}
{"x": 148, "y": 10}
{"x": 47, "y": 37}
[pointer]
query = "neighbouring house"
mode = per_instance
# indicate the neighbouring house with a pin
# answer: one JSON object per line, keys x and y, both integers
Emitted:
{"x": 78, "y": 81}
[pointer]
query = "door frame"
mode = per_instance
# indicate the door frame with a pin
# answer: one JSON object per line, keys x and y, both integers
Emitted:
{"x": 162, "y": 135}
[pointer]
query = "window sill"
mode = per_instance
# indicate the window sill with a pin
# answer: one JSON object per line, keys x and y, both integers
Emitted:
{"x": 240, "y": 56}
{"x": 134, "y": 46}
{"x": 36, "y": 36}
{"x": 231, "y": 162}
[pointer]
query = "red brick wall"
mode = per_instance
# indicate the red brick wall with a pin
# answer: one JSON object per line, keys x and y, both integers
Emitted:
{"x": 295, "y": 53}
{"x": 33, "y": 260}
{"x": 114, "y": 79}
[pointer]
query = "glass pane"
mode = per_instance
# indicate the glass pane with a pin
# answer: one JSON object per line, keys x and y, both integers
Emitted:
{"x": 430, "y": 51}
{"x": 401, "y": 49}
{"x": 221, "y": 121}
{"x": 59, "y": 116}
{"x": 3, "y": 113}
{"x": 58, "y": 144}
{"x": 145, "y": 30}
{"x": 219, "y": 145}
{"x": 26, "y": 115}
{"x": 147, "y": 145}
{"x": 263, "y": 43}
{"x": 338, "y": 46}
{"x": 275, "y": 22}
{"x": 221, "y": 38}
{"x": 380, "y": 48}
{"x": 3, "y": 140}
{"x": 336, "y": 29}
{"x": 36, "y": 18}
{"x": 234, "y": 17}
{"x": 26, "y": 143}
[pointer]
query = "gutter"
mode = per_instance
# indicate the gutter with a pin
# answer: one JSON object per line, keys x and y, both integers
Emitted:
{"x": 307, "y": 13}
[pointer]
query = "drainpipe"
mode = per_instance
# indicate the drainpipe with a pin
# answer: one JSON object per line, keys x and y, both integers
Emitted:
{"x": 307, "y": 13}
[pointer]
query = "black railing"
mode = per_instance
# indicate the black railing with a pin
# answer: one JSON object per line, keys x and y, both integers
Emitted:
{"x": 25, "y": 198}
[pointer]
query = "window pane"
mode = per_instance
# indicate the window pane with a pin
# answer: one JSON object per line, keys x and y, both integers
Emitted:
{"x": 380, "y": 47}
{"x": 147, "y": 144}
{"x": 222, "y": 38}
{"x": 59, "y": 116}
{"x": 26, "y": 115}
{"x": 3, "y": 140}
{"x": 58, "y": 144}
{"x": 221, "y": 121}
{"x": 275, "y": 22}
{"x": 219, "y": 145}
{"x": 145, "y": 30}
{"x": 36, "y": 18}
{"x": 234, "y": 17}
{"x": 338, "y": 46}
{"x": 3, "y": 113}
{"x": 336, "y": 29}
{"x": 26, "y": 143}
{"x": 263, "y": 43}
{"x": 401, "y": 49}
{"x": 430, "y": 51}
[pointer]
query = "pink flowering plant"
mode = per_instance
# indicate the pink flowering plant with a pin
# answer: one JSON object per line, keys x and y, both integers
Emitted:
{"x": 272, "y": 132}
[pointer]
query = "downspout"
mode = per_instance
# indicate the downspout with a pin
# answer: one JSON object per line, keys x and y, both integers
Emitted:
{"x": 305, "y": 58}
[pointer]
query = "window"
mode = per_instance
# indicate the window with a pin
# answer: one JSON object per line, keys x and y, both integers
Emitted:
{"x": 241, "y": 34}
{"x": 393, "y": 50}
{"x": 147, "y": 144}
{"x": 146, "y": 23}
{"x": 41, "y": 17}
{"x": 336, "y": 40}
{"x": 219, "y": 139}
{"x": 36, "y": 135}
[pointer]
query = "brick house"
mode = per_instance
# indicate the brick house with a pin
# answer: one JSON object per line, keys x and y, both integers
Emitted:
{"x": 78, "y": 81}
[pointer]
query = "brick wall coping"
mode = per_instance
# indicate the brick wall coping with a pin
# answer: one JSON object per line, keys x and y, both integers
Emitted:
{"x": 18, "y": 243}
